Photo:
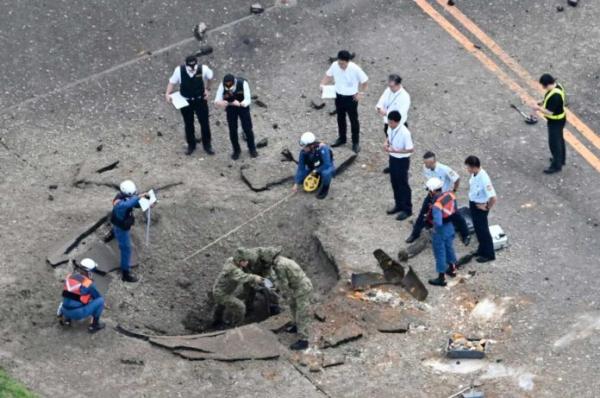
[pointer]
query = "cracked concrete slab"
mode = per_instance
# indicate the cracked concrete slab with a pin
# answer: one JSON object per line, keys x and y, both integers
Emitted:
{"x": 60, "y": 251}
{"x": 103, "y": 254}
{"x": 340, "y": 335}
{"x": 262, "y": 177}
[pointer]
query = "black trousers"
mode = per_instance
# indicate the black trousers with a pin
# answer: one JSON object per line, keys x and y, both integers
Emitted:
{"x": 399, "y": 179}
{"x": 346, "y": 105}
{"x": 482, "y": 230}
{"x": 200, "y": 108}
{"x": 243, "y": 114}
{"x": 556, "y": 142}
{"x": 457, "y": 219}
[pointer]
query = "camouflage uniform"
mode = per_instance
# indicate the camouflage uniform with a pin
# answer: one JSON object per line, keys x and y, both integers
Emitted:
{"x": 231, "y": 285}
{"x": 295, "y": 286}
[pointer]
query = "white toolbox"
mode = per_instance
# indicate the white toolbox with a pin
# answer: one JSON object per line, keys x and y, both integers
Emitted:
{"x": 499, "y": 237}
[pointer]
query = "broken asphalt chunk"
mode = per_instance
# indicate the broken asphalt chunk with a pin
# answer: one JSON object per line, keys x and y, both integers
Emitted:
{"x": 393, "y": 272}
{"x": 364, "y": 280}
{"x": 262, "y": 143}
{"x": 414, "y": 286}
{"x": 348, "y": 332}
{"x": 59, "y": 253}
{"x": 204, "y": 50}
{"x": 256, "y": 8}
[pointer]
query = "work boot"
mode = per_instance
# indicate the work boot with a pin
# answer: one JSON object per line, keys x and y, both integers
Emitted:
{"x": 323, "y": 192}
{"x": 439, "y": 281}
{"x": 451, "y": 271}
{"x": 403, "y": 215}
{"x": 466, "y": 240}
{"x": 128, "y": 277}
{"x": 253, "y": 153}
{"x": 355, "y": 148}
{"x": 386, "y": 170}
{"x": 190, "y": 151}
{"x": 96, "y": 326}
{"x": 235, "y": 155}
{"x": 292, "y": 328}
{"x": 64, "y": 321}
{"x": 412, "y": 238}
{"x": 209, "y": 150}
{"x": 393, "y": 210}
{"x": 551, "y": 170}
{"x": 338, "y": 142}
{"x": 299, "y": 345}
{"x": 482, "y": 259}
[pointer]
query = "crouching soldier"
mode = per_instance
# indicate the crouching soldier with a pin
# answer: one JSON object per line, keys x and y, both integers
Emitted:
{"x": 440, "y": 216}
{"x": 81, "y": 299}
{"x": 231, "y": 288}
{"x": 296, "y": 289}
{"x": 315, "y": 160}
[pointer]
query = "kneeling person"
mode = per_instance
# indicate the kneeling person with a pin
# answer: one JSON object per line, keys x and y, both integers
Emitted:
{"x": 315, "y": 158}
{"x": 230, "y": 288}
{"x": 81, "y": 299}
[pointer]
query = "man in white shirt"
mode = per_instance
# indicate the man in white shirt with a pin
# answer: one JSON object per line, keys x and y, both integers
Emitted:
{"x": 233, "y": 95}
{"x": 194, "y": 84}
{"x": 394, "y": 98}
{"x": 399, "y": 146}
{"x": 350, "y": 85}
{"x": 482, "y": 197}
{"x": 451, "y": 180}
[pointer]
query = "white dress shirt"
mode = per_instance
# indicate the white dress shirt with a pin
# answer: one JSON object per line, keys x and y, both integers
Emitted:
{"x": 347, "y": 80}
{"x": 207, "y": 73}
{"x": 481, "y": 189}
{"x": 444, "y": 173}
{"x": 247, "y": 97}
{"x": 399, "y": 138}
{"x": 395, "y": 101}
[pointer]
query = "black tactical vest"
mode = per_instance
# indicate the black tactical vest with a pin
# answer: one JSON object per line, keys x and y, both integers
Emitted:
{"x": 237, "y": 94}
{"x": 191, "y": 87}
{"x": 126, "y": 223}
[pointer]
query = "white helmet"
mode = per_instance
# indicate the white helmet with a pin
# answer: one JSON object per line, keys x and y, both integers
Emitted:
{"x": 88, "y": 264}
{"x": 307, "y": 139}
{"x": 434, "y": 183}
{"x": 127, "y": 187}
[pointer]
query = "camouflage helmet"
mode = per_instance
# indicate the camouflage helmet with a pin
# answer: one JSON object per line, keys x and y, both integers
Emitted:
{"x": 268, "y": 254}
{"x": 242, "y": 254}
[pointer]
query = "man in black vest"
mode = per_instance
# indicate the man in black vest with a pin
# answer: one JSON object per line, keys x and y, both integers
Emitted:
{"x": 234, "y": 96}
{"x": 194, "y": 84}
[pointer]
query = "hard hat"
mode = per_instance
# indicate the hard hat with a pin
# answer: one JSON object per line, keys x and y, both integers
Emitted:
{"x": 88, "y": 264}
{"x": 311, "y": 182}
{"x": 434, "y": 183}
{"x": 307, "y": 139}
{"x": 127, "y": 187}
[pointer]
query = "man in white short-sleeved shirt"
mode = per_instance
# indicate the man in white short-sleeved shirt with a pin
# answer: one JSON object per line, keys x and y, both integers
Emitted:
{"x": 394, "y": 98}
{"x": 350, "y": 85}
{"x": 399, "y": 146}
{"x": 482, "y": 197}
{"x": 194, "y": 85}
{"x": 451, "y": 180}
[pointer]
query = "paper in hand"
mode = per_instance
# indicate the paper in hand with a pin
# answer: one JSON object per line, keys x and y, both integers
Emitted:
{"x": 178, "y": 101}
{"x": 146, "y": 203}
{"x": 328, "y": 92}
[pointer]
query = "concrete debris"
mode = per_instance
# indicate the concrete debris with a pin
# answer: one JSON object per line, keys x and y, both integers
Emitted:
{"x": 333, "y": 360}
{"x": 343, "y": 334}
{"x": 573, "y": 3}
{"x": 256, "y": 8}
{"x": 53, "y": 186}
{"x": 387, "y": 321}
{"x": 99, "y": 148}
{"x": 248, "y": 342}
{"x": 262, "y": 143}
{"x": 108, "y": 167}
{"x": 132, "y": 361}
{"x": 50, "y": 198}
{"x": 107, "y": 258}
{"x": 393, "y": 272}
{"x": 287, "y": 156}
{"x": 320, "y": 314}
{"x": 204, "y": 50}
{"x": 366, "y": 280}
{"x": 317, "y": 104}
{"x": 59, "y": 253}
{"x": 260, "y": 177}
{"x": 261, "y": 104}
{"x": 199, "y": 31}
{"x": 414, "y": 286}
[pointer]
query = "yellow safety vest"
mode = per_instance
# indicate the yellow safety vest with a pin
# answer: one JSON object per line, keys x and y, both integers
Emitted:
{"x": 556, "y": 90}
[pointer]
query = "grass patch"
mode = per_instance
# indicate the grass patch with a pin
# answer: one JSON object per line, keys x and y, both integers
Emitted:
{"x": 12, "y": 389}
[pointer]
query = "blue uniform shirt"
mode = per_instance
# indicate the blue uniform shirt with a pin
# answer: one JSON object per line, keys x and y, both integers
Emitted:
{"x": 71, "y": 304}
{"x": 481, "y": 189}
{"x": 124, "y": 205}
{"x": 320, "y": 159}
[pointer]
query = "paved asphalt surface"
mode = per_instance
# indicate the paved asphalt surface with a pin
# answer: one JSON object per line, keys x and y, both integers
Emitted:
{"x": 77, "y": 75}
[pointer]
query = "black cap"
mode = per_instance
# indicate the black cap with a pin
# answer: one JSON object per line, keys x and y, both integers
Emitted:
{"x": 547, "y": 79}
{"x": 344, "y": 55}
{"x": 191, "y": 60}
{"x": 228, "y": 78}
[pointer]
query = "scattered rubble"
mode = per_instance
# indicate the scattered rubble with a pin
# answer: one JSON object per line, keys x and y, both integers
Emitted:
{"x": 199, "y": 31}
{"x": 262, "y": 143}
{"x": 204, "y": 50}
{"x": 256, "y": 8}
{"x": 343, "y": 334}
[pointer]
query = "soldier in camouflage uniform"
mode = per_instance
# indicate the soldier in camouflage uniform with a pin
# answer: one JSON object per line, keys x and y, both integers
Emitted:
{"x": 232, "y": 287}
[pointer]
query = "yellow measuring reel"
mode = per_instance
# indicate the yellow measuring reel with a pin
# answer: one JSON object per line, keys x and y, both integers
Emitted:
{"x": 311, "y": 182}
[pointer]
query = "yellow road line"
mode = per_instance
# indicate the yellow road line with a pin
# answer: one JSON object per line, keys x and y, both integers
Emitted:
{"x": 503, "y": 76}
{"x": 586, "y": 131}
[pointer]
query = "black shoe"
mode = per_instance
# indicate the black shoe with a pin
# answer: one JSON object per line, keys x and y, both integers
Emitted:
{"x": 299, "y": 345}
{"x": 190, "y": 151}
{"x": 323, "y": 192}
{"x": 209, "y": 150}
{"x": 64, "y": 321}
{"x": 253, "y": 154}
{"x": 235, "y": 155}
{"x": 551, "y": 170}
{"x": 482, "y": 259}
{"x": 96, "y": 327}
{"x": 403, "y": 215}
{"x": 451, "y": 271}
{"x": 412, "y": 238}
{"x": 129, "y": 277}
{"x": 292, "y": 329}
{"x": 393, "y": 210}
{"x": 439, "y": 281}
{"x": 355, "y": 148}
{"x": 386, "y": 170}
{"x": 338, "y": 142}
{"x": 466, "y": 240}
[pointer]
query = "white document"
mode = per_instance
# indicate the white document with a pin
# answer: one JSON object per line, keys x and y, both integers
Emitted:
{"x": 328, "y": 92}
{"x": 146, "y": 203}
{"x": 178, "y": 101}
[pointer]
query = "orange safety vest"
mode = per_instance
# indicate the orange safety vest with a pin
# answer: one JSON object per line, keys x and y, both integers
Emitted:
{"x": 446, "y": 203}
{"x": 72, "y": 288}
